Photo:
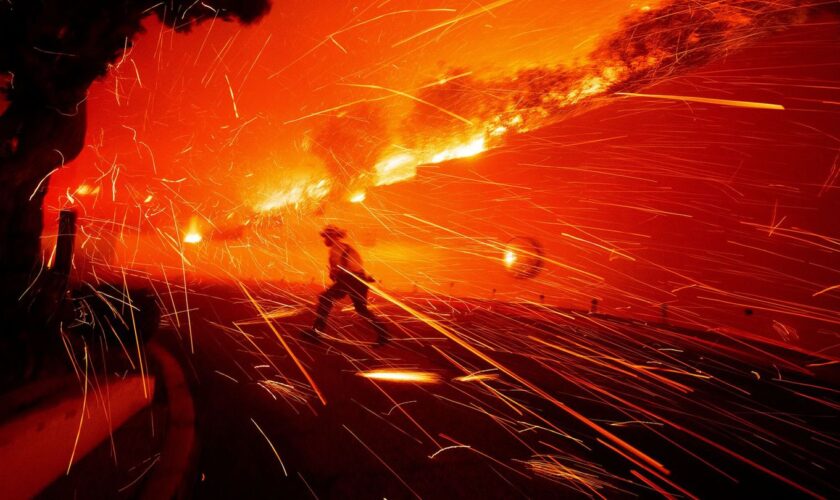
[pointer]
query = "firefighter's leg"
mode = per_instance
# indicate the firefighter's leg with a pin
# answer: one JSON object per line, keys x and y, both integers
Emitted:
{"x": 325, "y": 303}
{"x": 359, "y": 297}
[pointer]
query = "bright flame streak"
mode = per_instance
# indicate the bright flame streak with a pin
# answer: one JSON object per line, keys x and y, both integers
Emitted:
{"x": 395, "y": 168}
{"x": 548, "y": 397}
{"x": 302, "y": 192}
{"x": 472, "y": 148}
{"x": 283, "y": 342}
{"x": 709, "y": 100}
{"x": 192, "y": 234}
{"x": 403, "y": 166}
{"x": 402, "y": 376}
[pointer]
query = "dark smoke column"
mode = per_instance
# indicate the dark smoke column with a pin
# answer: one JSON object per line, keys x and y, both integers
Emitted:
{"x": 51, "y": 51}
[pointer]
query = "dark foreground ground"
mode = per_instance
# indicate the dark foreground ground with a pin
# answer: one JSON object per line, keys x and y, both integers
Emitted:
{"x": 562, "y": 404}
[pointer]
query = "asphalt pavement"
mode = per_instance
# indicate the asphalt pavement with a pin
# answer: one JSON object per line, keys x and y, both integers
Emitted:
{"x": 493, "y": 400}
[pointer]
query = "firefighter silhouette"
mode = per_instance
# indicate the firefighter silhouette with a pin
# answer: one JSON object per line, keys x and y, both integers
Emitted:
{"x": 349, "y": 278}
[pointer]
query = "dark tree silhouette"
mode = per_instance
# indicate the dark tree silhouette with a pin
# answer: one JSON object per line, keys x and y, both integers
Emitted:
{"x": 51, "y": 51}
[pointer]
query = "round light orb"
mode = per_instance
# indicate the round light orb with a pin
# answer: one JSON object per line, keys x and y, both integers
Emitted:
{"x": 522, "y": 256}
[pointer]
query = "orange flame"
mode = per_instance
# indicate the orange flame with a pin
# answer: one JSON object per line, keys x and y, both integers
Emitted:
{"x": 301, "y": 192}
{"x": 192, "y": 234}
{"x": 403, "y": 166}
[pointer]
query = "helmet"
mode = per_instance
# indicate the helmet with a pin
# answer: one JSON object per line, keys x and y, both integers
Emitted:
{"x": 333, "y": 231}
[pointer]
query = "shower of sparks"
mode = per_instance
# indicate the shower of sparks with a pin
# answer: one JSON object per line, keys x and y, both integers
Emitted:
{"x": 680, "y": 171}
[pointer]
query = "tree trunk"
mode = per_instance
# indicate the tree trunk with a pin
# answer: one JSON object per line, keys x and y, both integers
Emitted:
{"x": 35, "y": 139}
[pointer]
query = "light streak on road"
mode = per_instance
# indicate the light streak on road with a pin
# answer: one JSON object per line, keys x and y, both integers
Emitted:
{"x": 388, "y": 375}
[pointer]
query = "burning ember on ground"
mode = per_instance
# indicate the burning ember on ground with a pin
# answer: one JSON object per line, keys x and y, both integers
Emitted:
{"x": 416, "y": 377}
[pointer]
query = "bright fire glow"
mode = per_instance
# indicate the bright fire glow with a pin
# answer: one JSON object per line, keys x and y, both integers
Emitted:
{"x": 192, "y": 235}
{"x": 403, "y": 166}
{"x": 86, "y": 189}
{"x": 396, "y": 168}
{"x": 416, "y": 377}
{"x": 472, "y": 148}
{"x": 510, "y": 258}
{"x": 301, "y": 192}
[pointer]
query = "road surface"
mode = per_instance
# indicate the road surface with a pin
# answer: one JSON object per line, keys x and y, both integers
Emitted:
{"x": 504, "y": 401}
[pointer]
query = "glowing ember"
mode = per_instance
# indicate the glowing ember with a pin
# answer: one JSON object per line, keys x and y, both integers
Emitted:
{"x": 86, "y": 189}
{"x": 358, "y": 197}
{"x": 416, "y": 377}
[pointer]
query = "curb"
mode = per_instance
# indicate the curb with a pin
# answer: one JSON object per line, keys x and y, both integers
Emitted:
{"x": 59, "y": 426}
{"x": 170, "y": 478}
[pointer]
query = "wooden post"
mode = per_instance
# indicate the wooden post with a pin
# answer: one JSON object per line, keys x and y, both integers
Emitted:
{"x": 65, "y": 244}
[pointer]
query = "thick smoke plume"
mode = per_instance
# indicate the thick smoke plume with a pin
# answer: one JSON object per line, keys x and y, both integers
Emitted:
{"x": 349, "y": 144}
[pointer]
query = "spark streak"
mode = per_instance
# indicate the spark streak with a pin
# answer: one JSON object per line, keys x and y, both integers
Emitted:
{"x": 273, "y": 449}
{"x": 457, "y": 339}
{"x": 279, "y": 337}
{"x": 708, "y": 100}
